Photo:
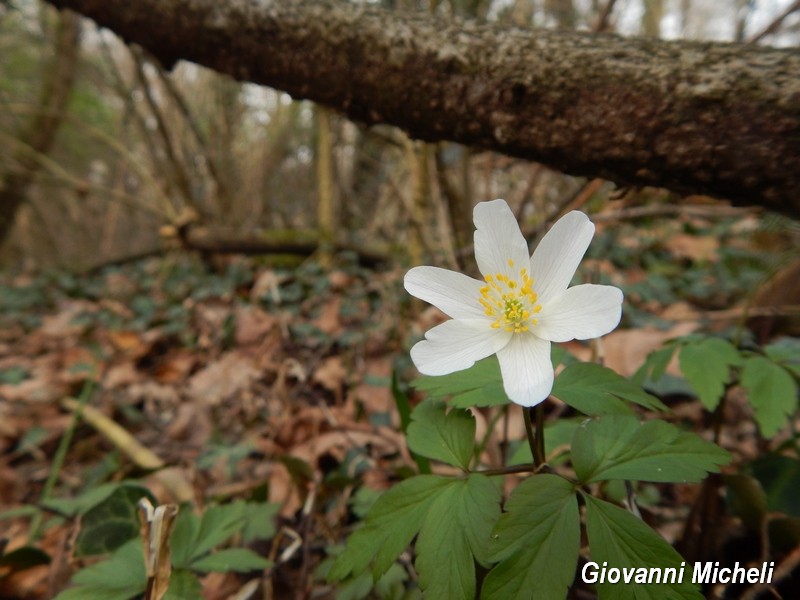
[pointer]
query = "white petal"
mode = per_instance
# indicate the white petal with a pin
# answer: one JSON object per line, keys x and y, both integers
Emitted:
{"x": 527, "y": 369}
{"x": 498, "y": 239}
{"x": 453, "y": 293}
{"x": 582, "y": 312}
{"x": 556, "y": 258}
{"x": 456, "y": 345}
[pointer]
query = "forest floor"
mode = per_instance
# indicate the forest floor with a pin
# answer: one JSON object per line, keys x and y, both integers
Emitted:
{"x": 257, "y": 382}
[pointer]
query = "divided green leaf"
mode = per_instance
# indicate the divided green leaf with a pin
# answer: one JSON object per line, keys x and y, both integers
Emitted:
{"x": 112, "y": 521}
{"x": 183, "y": 584}
{"x": 456, "y": 529}
{"x": 625, "y": 542}
{"x": 786, "y": 352}
{"x": 706, "y": 366}
{"x": 90, "y": 498}
{"x": 391, "y": 524}
{"x": 772, "y": 392}
{"x": 240, "y": 560}
{"x": 537, "y": 541}
{"x": 121, "y": 577}
{"x": 259, "y": 520}
{"x": 480, "y": 385}
{"x": 595, "y": 390}
{"x": 195, "y": 536}
{"x": 453, "y": 518}
{"x": 437, "y": 434}
{"x": 779, "y": 477}
{"x": 655, "y": 365}
{"x": 620, "y": 447}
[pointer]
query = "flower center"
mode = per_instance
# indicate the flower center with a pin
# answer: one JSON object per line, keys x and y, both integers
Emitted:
{"x": 510, "y": 301}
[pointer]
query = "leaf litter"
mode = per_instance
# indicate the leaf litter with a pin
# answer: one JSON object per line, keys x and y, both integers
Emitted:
{"x": 257, "y": 382}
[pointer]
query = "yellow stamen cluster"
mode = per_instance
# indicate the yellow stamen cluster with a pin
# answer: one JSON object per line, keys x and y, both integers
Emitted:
{"x": 511, "y": 302}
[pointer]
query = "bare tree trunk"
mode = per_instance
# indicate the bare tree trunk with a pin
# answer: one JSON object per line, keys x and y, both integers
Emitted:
{"x": 651, "y": 18}
{"x": 325, "y": 211}
{"x": 37, "y": 139}
{"x": 720, "y": 119}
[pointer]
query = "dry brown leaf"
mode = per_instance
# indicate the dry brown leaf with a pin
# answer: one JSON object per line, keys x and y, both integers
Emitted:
{"x": 331, "y": 375}
{"x": 222, "y": 379}
{"x": 627, "y": 349}
{"x": 693, "y": 247}
{"x": 171, "y": 484}
{"x": 64, "y": 323}
{"x": 376, "y": 399}
{"x": 253, "y": 325}
{"x": 157, "y": 398}
{"x": 340, "y": 280}
{"x": 129, "y": 343}
{"x": 192, "y": 425}
{"x": 121, "y": 375}
{"x": 329, "y": 320}
{"x": 267, "y": 285}
{"x": 43, "y": 384}
{"x": 175, "y": 367}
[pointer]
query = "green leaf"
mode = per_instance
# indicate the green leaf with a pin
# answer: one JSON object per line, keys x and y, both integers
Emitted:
{"x": 217, "y": 525}
{"x": 623, "y": 541}
{"x": 780, "y": 477}
{"x": 772, "y": 391}
{"x": 456, "y": 529}
{"x": 596, "y": 390}
{"x": 240, "y": 560}
{"x": 259, "y": 521}
{"x": 80, "y": 504}
{"x": 655, "y": 365}
{"x": 748, "y": 500}
{"x": 386, "y": 587}
{"x": 13, "y": 375}
{"x": 786, "y": 352}
{"x": 480, "y": 385}
{"x": 119, "y": 578}
{"x": 706, "y": 366}
{"x": 453, "y": 517}
{"x": 448, "y": 437}
{"x": 181, "y": 542}
{"x": 537, "y": 541}
{"x": 403, "y": 404}
{"x": 391, "y": 524}
{"x": 620, "y": 447}
{"x": 183, "y": 584}
{"x": 112, "y": 521}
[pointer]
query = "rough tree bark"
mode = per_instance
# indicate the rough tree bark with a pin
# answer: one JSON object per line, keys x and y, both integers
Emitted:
{"x": 719, "y": 119}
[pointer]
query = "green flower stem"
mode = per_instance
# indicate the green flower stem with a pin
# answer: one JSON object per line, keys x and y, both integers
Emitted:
{"x": 535, "y": 441}
{"x": 542, "y": 457}
{"x": 59, "y": 458}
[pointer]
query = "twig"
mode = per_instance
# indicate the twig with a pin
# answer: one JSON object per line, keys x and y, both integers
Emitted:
{"x": 665, "y": 210}
{"x": 783, "y": 570}
{"x": 776, "y": 23}
{"x": 603, "y": 17}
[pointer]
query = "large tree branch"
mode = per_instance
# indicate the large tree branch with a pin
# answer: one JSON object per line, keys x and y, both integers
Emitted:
{"x": 719, "y": 119}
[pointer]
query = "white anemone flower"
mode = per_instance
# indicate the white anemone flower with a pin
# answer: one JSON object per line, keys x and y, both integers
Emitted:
{"x": 522, "y": 304}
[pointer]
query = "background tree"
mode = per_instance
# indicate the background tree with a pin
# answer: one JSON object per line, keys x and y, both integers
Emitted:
{"x": 702, "y": 118}
{"x": 38, "y": 133}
